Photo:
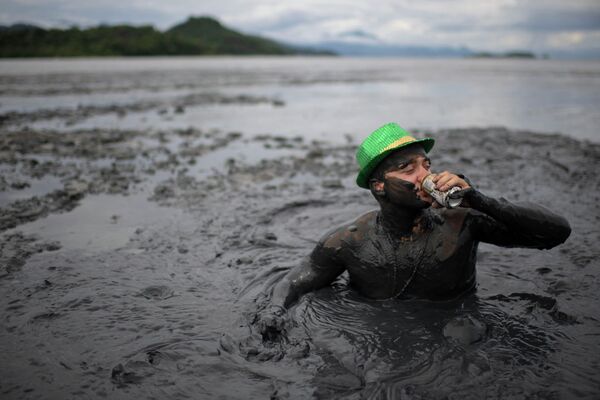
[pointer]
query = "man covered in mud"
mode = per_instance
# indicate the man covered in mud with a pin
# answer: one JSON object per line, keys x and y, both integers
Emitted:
{"x": 411, "y": 247}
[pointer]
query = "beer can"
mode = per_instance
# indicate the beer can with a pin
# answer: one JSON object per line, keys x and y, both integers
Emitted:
{"x": 439, "y": 196}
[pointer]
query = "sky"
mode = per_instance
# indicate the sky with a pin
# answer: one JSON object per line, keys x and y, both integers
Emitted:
{"x": 550, "y": 26}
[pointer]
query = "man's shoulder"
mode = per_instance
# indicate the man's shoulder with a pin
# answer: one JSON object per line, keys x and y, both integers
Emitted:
{"x": 367, "y": 218}
{"x": 349, "y": 232}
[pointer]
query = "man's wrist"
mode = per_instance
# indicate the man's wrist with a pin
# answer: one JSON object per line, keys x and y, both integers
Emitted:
{"x": 467, "y": 180}
{"x": 475, "y": 199}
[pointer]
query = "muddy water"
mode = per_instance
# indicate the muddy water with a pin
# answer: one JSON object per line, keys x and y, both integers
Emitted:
{"x": 132, "y": 262}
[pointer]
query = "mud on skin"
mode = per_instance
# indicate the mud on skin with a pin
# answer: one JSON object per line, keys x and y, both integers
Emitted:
{"x": 168, "y": 313}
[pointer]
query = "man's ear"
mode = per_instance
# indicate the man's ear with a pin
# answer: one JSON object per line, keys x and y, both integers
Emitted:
{"x": 377, "y": 187}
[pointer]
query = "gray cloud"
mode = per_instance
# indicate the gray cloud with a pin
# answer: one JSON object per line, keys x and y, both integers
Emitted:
{"x": 62, "y": 13}
{"x": 559, "y": 20}
{"x": 286, "y": 20}
{"x": 534, "y": 21}
{"x": 359, "y": 34}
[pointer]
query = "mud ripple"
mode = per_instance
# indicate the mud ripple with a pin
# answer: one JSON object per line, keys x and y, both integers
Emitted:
{"x": 158, "y": 292}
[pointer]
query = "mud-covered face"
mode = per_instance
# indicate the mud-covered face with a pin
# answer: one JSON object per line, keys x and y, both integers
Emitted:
{"x": 403, "y": 172}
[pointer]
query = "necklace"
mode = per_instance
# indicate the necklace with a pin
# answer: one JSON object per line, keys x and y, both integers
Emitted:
{"x": 417, "y": 262}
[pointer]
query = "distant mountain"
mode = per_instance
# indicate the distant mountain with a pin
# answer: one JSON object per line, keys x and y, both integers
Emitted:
{"x": 196, "y": 36}
{"x": 210, "y": 35}
{"x": 379, "y": 49}
{"x": 508, "y": 54}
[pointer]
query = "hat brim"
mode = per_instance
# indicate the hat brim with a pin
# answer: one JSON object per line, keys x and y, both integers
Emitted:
{"x": 362, "y": 179}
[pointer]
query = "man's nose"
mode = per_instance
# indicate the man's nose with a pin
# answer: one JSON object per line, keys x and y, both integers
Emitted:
{"x": 421, "y": 173}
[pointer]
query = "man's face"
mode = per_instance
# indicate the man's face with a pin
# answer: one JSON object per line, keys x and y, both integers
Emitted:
{"x": 404, "y": 171}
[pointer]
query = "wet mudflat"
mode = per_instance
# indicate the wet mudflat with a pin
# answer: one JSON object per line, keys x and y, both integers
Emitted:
{"x": 132, "y": 262}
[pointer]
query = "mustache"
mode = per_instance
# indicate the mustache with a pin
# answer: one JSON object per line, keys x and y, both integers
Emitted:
{"x": 398, "y": 186}
{"x": 403, "y": 193}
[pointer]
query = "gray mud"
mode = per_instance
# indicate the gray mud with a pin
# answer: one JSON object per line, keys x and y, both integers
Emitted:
{"x": 136, "y": 270}
{"x": 176, "y": 105}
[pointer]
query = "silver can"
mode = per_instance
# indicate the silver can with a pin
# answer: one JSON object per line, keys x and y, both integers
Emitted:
{"x": 439, "y": 196}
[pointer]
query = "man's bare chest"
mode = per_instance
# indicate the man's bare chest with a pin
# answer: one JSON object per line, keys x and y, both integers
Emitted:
{"x": 381, "y": 252}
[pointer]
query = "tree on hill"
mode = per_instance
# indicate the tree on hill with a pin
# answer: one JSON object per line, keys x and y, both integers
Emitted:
{"x": 196, "y": 36}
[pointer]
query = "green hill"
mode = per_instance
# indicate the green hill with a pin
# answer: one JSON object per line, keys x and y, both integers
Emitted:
{"x": 196, "y": 36}
{"x": 209, "y": 34}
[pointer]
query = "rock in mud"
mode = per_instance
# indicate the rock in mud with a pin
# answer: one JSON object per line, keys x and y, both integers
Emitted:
{"x": 465, "y": 330}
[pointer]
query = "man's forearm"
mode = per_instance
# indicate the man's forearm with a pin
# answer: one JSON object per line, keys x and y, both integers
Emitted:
{"x": 300, "y": 280}
{"x": 531, "y": 225}
{"x": 284, "y": 293}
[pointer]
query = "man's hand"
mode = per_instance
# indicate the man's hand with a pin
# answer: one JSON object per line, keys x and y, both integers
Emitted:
{"x": 444, "y": 181}
{"x": 271, "y": 322}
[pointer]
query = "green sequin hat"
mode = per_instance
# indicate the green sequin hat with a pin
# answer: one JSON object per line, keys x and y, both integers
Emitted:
{"x": 379, "y": 144}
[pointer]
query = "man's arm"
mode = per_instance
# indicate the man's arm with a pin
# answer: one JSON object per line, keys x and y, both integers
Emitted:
{"x": 318, "y": 270}
{"x": 508, "y": 224}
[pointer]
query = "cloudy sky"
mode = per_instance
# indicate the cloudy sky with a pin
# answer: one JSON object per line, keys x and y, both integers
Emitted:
{"x": 537, "y": 25}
